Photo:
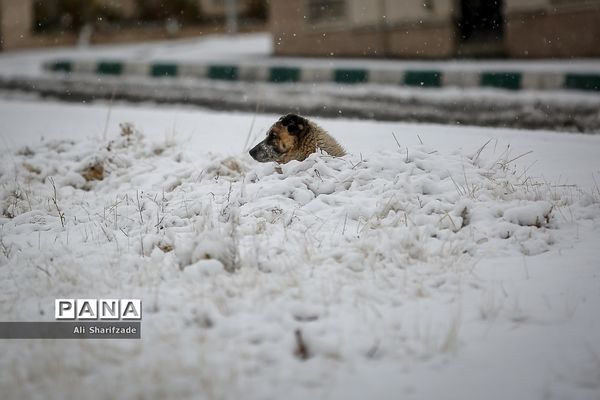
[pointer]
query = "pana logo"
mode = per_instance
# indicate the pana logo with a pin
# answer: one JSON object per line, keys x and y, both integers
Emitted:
{"x": 92, "y": 309}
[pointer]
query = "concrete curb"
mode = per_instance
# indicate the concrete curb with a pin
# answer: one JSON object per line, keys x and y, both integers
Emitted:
{"x": 503, "y": 79}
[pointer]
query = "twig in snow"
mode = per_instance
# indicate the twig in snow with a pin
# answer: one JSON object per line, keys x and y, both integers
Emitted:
{"x": 139, "y": 208}
{"x": 251, "y": 128}
{"x": 55, "y": 201}
{"x": 397, "y": 142}
{"x": 110, "y": 104}
{"x": 446, "y": 215}
{"x": 517, "y": 157}
{"x": 301, "y": 350}
{"x": 475, "y": 156}
{"x": 596, "y": 186}
{"x": 458, "y": 189}
{"x": 44, "y": 270}
{"x": 5, "y": 250}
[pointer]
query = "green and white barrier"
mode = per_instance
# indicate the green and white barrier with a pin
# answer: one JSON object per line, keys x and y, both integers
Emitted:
{"x": 503, "y": 79}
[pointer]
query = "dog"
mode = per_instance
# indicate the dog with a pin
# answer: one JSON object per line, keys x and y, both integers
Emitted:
{"x": 294, "y": 137}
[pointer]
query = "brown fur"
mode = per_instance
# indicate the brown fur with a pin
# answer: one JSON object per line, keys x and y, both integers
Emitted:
{"x": 295, "y": 138}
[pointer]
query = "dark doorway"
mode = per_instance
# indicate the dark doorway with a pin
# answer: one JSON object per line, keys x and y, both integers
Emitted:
{"x": 481, "y": 28}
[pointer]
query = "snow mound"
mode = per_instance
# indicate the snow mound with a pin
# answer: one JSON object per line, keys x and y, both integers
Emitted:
{"x": 412, "y": 206}
{"x": 302, "y": 259}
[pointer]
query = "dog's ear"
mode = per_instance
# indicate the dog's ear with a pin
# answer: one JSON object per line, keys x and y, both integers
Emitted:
{"x": 295, "y": 124}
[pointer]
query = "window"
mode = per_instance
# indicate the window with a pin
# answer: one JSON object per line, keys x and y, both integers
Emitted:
{"x": 325, "y": 10}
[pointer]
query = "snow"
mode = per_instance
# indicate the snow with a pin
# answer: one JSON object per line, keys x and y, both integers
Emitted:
{"x": 257, "y": 49}
{"x": 558, "y": 157}
{"x": 459, "y": 267}
{"x": 210, "y": 49}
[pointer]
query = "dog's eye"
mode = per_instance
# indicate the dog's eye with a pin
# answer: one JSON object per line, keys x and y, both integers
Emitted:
{"x": 271, "y": 135}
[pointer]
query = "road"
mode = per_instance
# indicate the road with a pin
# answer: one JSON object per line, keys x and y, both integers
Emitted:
{"x": 559, "y": 111}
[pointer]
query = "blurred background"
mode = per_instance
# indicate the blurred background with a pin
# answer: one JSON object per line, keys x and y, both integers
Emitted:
{"x": 474, "y": 62}
{"x": 339, "y": 28}
{"x": 31, "y": 23}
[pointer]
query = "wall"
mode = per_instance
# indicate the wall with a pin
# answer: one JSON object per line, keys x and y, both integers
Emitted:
{"x": 552, "y": 28}
{"x": 125, "y": 8}
{"x": 516, "y": 6}
{"x": 15, "y": 23}
{"x": 408, "y": 29}
{"x": 218, "y": 8}
{"x": 410, "y": 11}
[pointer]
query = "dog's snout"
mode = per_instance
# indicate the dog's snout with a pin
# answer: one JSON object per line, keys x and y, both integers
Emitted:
{"x": 262, "y": 153}
{"x": 253, "y": 152}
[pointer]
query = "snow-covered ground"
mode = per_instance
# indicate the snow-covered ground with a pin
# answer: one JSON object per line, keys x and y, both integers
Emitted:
{"x": 444, "y": 262}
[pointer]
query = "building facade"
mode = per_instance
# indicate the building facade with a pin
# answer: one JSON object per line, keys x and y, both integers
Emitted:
{"x": 15, "y": 22}
{"x": 436, "y": 28}
{"x": 552, "y": 28}
{"x": 218, "y": 8}
{"x": 27, "y": 23}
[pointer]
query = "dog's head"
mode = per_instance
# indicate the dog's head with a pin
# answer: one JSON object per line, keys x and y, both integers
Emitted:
{"x": 282, "y": 139}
